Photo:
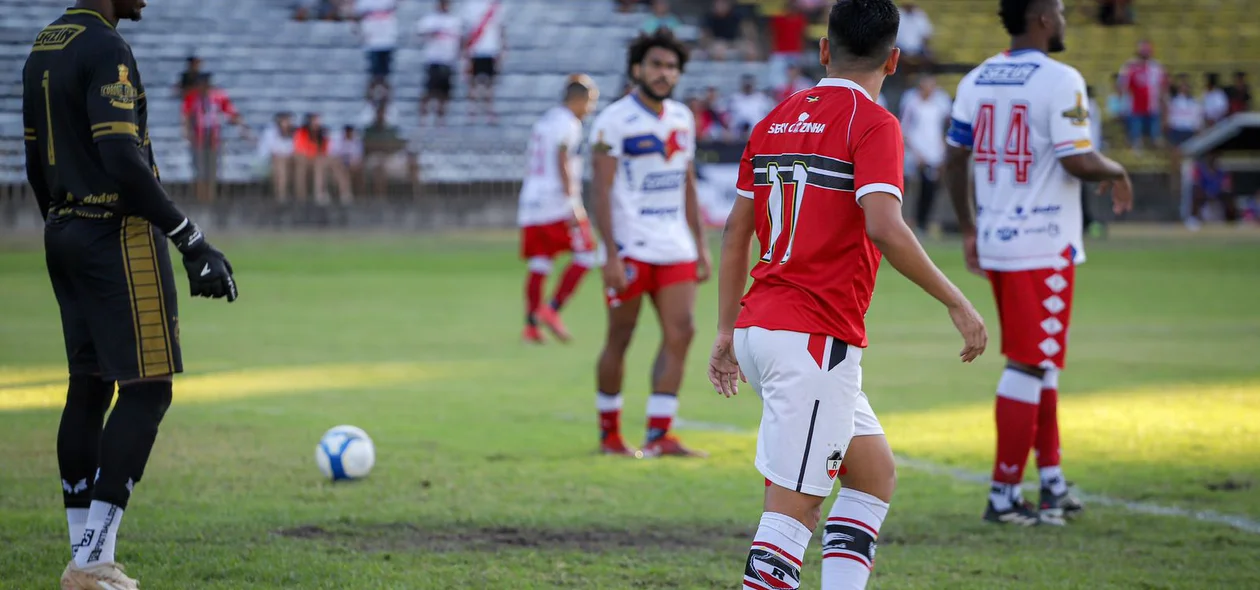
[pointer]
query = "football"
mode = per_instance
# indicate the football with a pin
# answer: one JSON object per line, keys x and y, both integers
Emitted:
{"x": 345, "y": 453}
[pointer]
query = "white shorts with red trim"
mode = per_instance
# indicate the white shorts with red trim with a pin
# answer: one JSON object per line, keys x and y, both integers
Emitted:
{"x": 1034, "y": 308}
{"x": 812, "y": 405}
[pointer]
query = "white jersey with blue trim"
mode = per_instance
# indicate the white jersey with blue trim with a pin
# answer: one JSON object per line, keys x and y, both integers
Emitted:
{"x": 654, "y": 153}
{"x": 1020, "y": 112}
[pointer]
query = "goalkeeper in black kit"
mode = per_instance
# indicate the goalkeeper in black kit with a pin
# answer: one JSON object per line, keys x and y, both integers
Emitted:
{"x": 107, "y": 222}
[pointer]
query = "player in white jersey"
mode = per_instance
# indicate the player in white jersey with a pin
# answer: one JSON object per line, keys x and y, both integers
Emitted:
{"x": 550, "y": 214}
{"x": 1021, "y": 123}
{"x": 648, "y": 217}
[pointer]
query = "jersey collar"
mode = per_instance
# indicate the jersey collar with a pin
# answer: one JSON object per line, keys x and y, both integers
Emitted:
{"x": 88, "y": 11}
{"x": 1019, "y": 52}
{"x": 844, "y": 83}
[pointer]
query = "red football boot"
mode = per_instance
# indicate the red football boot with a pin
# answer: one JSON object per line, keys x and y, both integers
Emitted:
{"x": 532, "y": 335}
{"x": 613, "y": 444}
{"x": 551, "y": 319}
{"x": 670, "y": 446}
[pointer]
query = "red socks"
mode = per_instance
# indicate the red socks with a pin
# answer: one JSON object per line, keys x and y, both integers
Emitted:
{"x": 533, "y": 294}
{"x": 569, "y": 282}
{"x": 1017, "y": 415}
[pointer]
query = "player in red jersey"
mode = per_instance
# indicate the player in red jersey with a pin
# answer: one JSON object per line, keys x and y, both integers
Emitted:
{"x": 1022, "y": 121}
{"x": 820, "y": 184}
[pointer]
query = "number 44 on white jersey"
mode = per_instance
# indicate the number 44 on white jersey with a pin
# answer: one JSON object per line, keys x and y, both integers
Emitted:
{"x": 1020, "y": 112}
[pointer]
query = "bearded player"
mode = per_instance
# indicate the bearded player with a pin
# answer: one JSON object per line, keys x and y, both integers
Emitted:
{"x": 1024, "y": 120}
{"x": 820, "y": 184}
{"x": 551, "y": 215}
{"x": 649, "y": 220}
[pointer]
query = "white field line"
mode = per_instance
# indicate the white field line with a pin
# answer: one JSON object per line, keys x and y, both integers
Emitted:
{"x": 1241, "y": 523}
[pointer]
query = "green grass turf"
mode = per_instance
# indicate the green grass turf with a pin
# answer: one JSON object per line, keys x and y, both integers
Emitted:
{"x": 486, "y": 476}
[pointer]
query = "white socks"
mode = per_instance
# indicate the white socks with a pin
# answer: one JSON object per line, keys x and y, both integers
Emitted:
{"x": 100, "y": 533}
{"x": 76, "y": 518}
{"x": 849, "y": 540}
{"x": 1052, "y": 478}
{"x": 774, "y": 562}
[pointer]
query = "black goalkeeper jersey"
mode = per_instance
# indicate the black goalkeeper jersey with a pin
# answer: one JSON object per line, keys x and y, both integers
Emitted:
{"x": 80, "y": 85}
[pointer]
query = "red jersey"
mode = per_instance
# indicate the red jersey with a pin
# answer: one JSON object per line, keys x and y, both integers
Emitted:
{"x": 806, "y": 166}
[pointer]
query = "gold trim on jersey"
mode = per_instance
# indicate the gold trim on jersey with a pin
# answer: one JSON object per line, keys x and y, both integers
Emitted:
{"x": 115, "y": 128}
{"x": 28, "y": 134}
{"x": 148, "y": 306}
{"x": 91, "y": 12}
{"x": 56, "y": 37}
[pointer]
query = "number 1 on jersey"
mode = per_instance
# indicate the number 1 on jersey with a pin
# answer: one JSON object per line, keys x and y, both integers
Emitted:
{"x": 787, "y": 188}
{"x": 1016, "y": 150}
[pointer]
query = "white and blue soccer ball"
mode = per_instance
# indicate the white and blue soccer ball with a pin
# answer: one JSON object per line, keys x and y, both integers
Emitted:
{"x": 345, "y": 453}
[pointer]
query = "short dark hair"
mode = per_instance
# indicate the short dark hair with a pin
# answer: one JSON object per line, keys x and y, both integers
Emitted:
{"x": 575, "y": 90}
{"x": 662, "y": 38}
{"x": 1014, "y": 14}
{"x": 863, "y": 31}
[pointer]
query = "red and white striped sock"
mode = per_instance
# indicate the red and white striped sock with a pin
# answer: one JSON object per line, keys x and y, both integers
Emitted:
{"x": 849, "y": 540}
{"x": 774, "y": 562}
{"x": 661, "y": 409}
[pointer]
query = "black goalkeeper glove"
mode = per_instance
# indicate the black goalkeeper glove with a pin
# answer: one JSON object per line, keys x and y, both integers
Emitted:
{"x": 209, "y": 272}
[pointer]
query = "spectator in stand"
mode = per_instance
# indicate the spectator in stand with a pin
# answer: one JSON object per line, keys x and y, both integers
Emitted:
{"x": 717, "y": 113}
{"x": 345, "y": 159}
{"x": 796, "y": 82}
{"x": 1118, "y": 106}
{"x": 485, "y": 43}
{"x": 310, "y": 148}
{"x": 726, "y": 34}
{"x": 914, "y": 35}
{"x": 707, "y": 126}
{"x": 1184, "y": 118}
{"x": 1114, "y": 12}
{"x": 377, "y": 26}
{"x": 1215, "y": 99}
{"x": 787, "y": 42}
{"x": 628, "y": 6}
{"x": 747, "y": 107}
{"x": 925, "y": 114}
{"x": 1185, "y": 112}
{"x": 205, "y": 110}
{"x": 188, "y": 79}
{"x": 381, "y": 142}
{"x": 661, "y": 18}
{"x": 440, "y": 33}
{"x": 276, "y": 147}
{"x": 1211, "y": 183}
{"x": 377, "y": 94}
{"x": 1239, "y": 94}
{"x": 1145, "y": 83}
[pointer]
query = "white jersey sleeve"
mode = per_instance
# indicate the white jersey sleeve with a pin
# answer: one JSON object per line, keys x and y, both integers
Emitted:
{"x": 963, "y": 114}
{"x": 1069, "y": 115}
{"x": 544, "y": 198}
{"x": 606, "y": 136}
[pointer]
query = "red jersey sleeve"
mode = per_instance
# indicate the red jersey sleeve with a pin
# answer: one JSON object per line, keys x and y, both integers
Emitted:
{"x": 878, "y": 160}
{"x": 744, "y": 184}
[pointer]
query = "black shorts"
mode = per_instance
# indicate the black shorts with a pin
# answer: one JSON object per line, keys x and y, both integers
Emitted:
{"x": 379, "y": 61}
{"x": 485, "y": 66}
{"x": 438, "y": 82}
{"x": 116, "y": 289}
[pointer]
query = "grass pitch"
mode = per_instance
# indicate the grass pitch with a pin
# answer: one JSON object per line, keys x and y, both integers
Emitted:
{"x": 486, "y": 475}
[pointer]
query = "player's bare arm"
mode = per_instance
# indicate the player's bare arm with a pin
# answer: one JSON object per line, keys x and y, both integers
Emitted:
{"x": 888, "y": 230}
{"x": 1111, "y": 176}
{"x": 957, "y": 169}
{"x": 605, "y": 170}
{"x": 732, "y": 280}
{"x": 703, "y": 263}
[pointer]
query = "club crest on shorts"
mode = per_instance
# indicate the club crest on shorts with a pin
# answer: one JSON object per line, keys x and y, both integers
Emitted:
{"x": 833, "y": 464}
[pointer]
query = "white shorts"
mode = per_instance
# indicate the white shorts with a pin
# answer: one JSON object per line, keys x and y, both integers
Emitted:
{"x": 809, "y": 413}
